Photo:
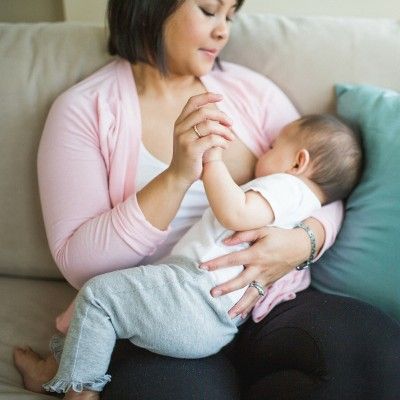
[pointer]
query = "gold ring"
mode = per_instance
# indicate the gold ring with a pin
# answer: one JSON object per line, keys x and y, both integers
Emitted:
{"x": 196, "y": 131}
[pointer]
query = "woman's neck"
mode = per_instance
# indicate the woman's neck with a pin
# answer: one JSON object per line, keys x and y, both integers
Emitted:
{"x": 151, "y": 82}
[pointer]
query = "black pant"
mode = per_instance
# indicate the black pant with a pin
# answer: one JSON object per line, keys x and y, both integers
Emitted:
{"x": 316, "y": 347}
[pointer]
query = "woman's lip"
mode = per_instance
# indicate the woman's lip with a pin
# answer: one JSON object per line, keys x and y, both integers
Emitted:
{"x": 210, "y": 52}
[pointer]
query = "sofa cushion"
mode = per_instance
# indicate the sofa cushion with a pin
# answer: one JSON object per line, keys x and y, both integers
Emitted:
{"x": 364, "y": 261}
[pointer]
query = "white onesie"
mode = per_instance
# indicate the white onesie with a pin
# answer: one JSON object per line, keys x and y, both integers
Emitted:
{"x": 291, "y": 201}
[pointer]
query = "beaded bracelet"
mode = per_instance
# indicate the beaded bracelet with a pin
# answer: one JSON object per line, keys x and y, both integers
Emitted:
{"x": 313, "y": 241}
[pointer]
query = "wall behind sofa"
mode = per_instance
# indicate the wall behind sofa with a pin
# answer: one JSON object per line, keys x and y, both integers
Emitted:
{"x": 31, "y": 10}
{"x": 93, "y": 10}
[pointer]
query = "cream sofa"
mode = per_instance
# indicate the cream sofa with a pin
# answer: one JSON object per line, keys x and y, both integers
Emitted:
{"x": 305, "y": 56}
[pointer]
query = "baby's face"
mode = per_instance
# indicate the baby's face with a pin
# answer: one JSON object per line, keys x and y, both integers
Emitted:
{"x": 281, "y": 156}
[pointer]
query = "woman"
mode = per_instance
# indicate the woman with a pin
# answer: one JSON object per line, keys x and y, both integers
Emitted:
{"x": 119, "y": 168}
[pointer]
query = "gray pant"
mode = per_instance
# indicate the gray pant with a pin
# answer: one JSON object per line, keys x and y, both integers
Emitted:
{"x": 165, "y": 308}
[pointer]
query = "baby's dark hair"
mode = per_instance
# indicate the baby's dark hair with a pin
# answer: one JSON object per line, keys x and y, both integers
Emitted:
{"x": 335, "y": 154}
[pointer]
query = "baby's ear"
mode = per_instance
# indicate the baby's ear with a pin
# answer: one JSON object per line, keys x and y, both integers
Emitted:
{"x": 301, "y": 162}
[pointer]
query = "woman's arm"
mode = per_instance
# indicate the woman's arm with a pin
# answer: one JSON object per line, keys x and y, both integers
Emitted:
{"x": 186, "y": 165}
{"x": 88, "y": 235}
{"x": 329, "y": 220}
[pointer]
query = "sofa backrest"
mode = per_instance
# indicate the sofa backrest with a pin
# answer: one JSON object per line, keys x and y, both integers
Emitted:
{"x": 305, "y": 56}
{"x": 37, "y": 62}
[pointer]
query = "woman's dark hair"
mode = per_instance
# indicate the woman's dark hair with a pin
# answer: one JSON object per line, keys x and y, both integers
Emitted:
{"x": 136, "y": 29}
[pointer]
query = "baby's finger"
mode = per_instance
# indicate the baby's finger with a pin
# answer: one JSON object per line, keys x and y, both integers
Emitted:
{"x": 209, "y": 141}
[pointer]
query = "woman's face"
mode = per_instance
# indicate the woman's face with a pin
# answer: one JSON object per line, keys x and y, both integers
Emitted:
{"x": 196, "y": 33}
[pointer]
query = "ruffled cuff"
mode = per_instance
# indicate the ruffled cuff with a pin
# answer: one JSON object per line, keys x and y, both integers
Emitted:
{"x": 62, "y": 386}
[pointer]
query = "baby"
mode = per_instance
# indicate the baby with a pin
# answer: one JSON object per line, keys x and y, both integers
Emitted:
{"x": 167, "y": 308}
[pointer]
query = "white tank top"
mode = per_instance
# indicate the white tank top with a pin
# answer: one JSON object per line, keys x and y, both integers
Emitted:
{"x": 192, "y": 207}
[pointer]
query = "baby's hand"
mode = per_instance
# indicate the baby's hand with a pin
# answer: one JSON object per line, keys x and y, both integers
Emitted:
{"x": 213, "y": 154}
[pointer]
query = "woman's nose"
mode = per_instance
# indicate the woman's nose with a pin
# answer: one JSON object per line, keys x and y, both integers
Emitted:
{"x": 221, "y": 31}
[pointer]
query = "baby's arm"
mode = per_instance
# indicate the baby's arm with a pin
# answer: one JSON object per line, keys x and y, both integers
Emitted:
{"x": 235, "y": 209}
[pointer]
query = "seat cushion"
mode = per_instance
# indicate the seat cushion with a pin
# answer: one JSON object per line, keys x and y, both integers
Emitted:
{"x": 364, "y": 261}
{"x": 27, "y": 313}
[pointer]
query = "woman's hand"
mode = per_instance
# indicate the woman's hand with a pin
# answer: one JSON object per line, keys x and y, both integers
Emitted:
{"x": 273, "y": 252}
{"x": 213, "y": 128}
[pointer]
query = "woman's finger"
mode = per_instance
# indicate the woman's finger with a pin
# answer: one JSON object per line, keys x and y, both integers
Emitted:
{"x": 201, "y": 115}
{"x": 211, "y": 127}
{"x": 246, "y": 303}
{"x": 239, "y": 282}
{"x": 196, "y": 102}
{"x": 241, "y": 257}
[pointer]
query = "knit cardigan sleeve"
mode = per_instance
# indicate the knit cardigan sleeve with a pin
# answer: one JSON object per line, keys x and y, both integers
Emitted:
{"x": 89, "y": 230}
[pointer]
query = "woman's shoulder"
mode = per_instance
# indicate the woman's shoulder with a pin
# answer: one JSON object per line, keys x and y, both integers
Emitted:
{"x": 103, "y": 85}
{"x": 97, "y": 100}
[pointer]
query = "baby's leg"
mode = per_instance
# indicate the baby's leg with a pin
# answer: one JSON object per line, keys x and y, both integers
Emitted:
{"x": 158, "y": 307}
{"x": 105, "y": 310}
{"x": 89, "y": 342}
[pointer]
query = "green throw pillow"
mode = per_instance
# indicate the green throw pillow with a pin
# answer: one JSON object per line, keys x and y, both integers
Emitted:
{"x": 364, "y": 262}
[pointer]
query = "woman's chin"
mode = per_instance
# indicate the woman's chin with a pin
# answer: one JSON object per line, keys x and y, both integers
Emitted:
{"x": 203, "y": 70}
{"x": 203, "y": 66}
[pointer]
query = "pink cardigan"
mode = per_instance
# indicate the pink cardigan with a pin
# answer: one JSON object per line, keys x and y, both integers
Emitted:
{"x": 88, "y": 157}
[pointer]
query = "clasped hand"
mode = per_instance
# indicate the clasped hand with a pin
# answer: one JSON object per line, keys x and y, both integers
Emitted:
{"x": 189, "y": 147}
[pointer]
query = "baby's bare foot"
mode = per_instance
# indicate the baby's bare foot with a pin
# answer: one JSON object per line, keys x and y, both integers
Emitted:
{"x": 34, "y": 369}
{"x": 84, "y": 395}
